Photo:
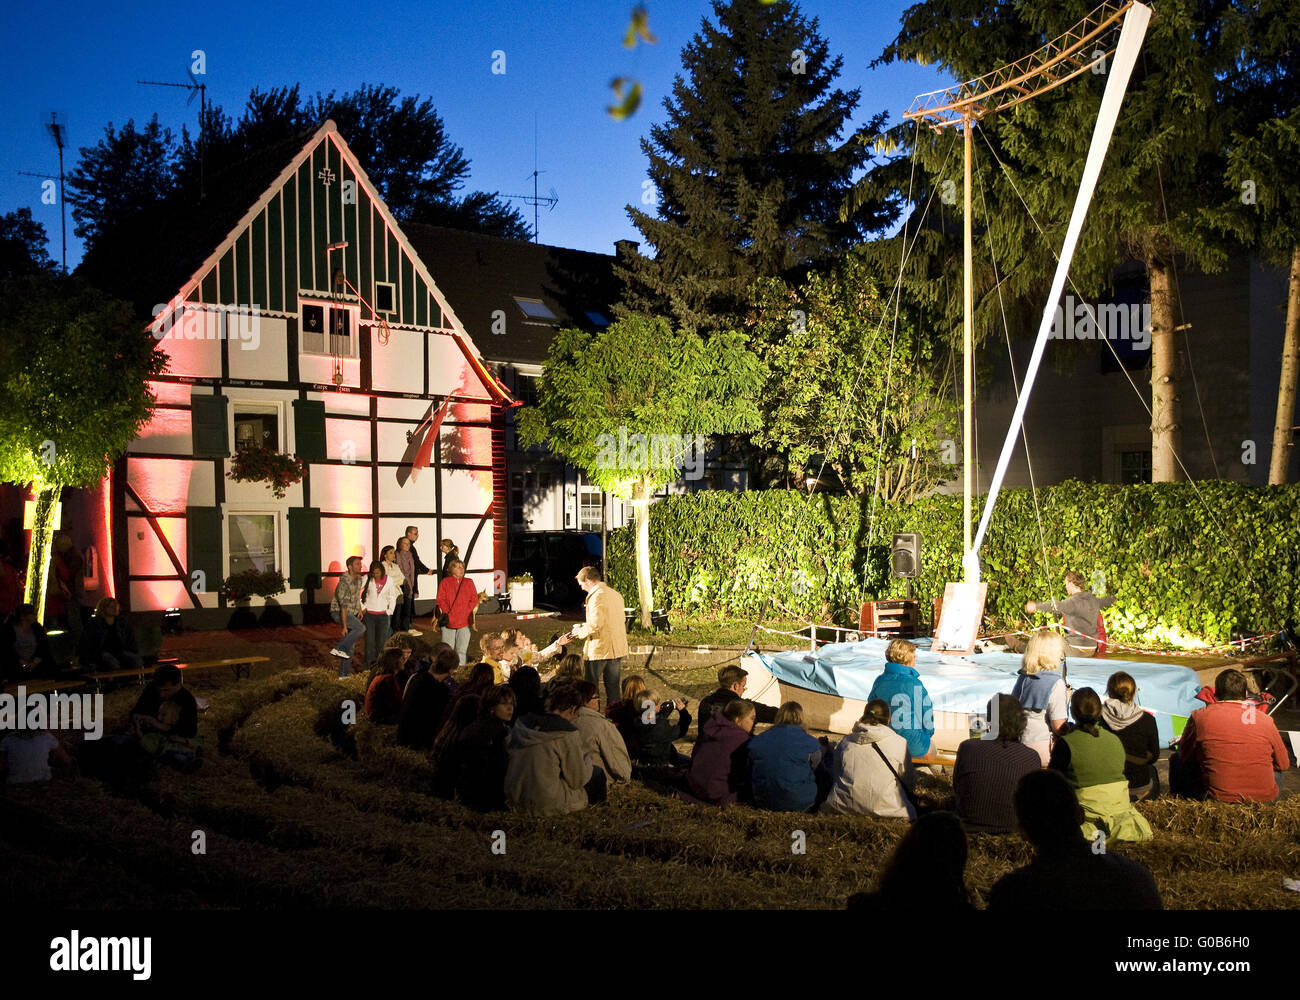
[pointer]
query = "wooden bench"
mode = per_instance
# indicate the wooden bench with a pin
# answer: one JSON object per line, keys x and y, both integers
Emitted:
{"x": 44, "y": 686}
{"x": 935, "y": 760}
{"x": 242, "y": 665}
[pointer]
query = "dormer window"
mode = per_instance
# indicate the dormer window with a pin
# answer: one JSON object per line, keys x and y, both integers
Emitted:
{"x": 534, "y": 308}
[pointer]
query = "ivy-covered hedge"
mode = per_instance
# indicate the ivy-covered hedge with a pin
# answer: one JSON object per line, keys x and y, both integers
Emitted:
{"x": 1180, "y": 571}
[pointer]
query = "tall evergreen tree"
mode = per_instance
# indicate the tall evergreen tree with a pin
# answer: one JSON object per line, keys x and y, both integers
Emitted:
{"x": 749, "y": 169}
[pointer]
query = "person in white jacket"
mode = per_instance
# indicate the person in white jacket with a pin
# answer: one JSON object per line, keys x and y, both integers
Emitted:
{"x": 602, "y": 743}
{"x": 864, "y": 783}
{"x": 378, "y": 602}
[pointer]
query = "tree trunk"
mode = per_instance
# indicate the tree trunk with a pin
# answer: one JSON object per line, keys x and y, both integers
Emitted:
{"x": 38, "y": 559}
{"x": 1283, "y": 435}
{"x": 641, "y": 511}
{"x": 1166, "y": 404}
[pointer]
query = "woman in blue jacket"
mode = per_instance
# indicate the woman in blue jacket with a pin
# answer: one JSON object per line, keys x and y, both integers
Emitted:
{"x": 911, "y": 713}
{"x": 784, "y": 763}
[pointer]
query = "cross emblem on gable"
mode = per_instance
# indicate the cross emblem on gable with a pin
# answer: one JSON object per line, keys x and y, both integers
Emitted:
{"x": 326, "y": 176}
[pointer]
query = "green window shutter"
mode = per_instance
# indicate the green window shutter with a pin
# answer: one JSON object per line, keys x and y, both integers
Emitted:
{"x": 304, "y": 547}
{"x": 203, "y": 548}
{"x": 309, "y": 429}
{"x": 208, "y": 425}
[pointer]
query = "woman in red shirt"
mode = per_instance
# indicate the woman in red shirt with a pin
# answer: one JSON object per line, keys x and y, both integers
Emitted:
{"x": 458, "y": 600}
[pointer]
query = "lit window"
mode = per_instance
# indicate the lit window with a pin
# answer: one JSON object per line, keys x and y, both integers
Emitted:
{"x": 257, "y": 427}
{"x": 252, "y": 540}
{"x": 534, "y": 308}
{"x": 328, "y": 328}
{"x": 598, "y": 319}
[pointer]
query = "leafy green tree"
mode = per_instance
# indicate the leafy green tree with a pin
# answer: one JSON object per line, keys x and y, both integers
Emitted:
{"x": 73, "y": 371}
{"x": 748, "y": 170}
{"x": 24, "y": 247}
{"x": 1164, "y": 167}
{"x": 629, "y": 405}
{"x": 844, "y": 381}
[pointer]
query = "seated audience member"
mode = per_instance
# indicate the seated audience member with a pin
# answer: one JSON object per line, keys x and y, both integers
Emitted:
{"x": 732, "y": 682}
{"x": 547, "y": 772}
{"x": 567, "y": 669}
{"x": 516, "y": 637}
{"x": 383, "y": 702}
{"x": 491, "y": 649}
{"x": 463, "y": 714}
{"x": 1092, "y": 760}
{"x": 927, "y": 872}
{"x": 719, "y": 772}
{"x": 24, "y": 647}
{"x": 626, "y": 709}
{"x": 1040, "y": 689}
{"x": 911, "y": 713}
{"x": 1066, "y": 873}
{"x": 556, "y": 647}
{"x": 166, "y": 718}
{"x": 479, "y": 682}
{"x": 108, "y": 642}
{"x": 867, "y": 768}
{"x": 1230, "y": 751}
{"x": 654, "y": 731}
{"x": 481, "y": 753}
{"x": 26, "y": 756}
{"x": 601, "y": 741}
{"x": 1136, "y": 729}
{"x": 988, "y": 770}
{"x": 527, "y": 687}
{"x": 783, "y": 763}
{"x": 425, "y": 702}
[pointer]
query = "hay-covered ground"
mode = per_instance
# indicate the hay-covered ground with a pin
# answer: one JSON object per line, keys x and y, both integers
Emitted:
{"x": 299, "y": 812}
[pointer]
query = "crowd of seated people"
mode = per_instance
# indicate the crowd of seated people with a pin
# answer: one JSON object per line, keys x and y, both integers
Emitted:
{"x": 538, "y": 742}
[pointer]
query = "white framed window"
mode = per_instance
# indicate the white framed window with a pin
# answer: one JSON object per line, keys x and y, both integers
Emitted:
{"x": 386, "y": 298}
{"x": 256, "y": 423}
{"x": 254, "y": 540}
{"x": 329, "y": 328}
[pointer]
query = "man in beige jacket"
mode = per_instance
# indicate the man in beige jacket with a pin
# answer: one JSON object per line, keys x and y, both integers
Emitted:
{"x": 604, "y": 632}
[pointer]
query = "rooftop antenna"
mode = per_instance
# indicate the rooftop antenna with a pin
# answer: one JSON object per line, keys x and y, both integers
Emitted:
{"x": 195, "y": 88}
{"x": 534, "y": 199}
{"x": 59, "y": 133}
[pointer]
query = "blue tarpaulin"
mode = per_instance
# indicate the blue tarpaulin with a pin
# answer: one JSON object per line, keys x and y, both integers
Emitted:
{"x": 965, "y": 683}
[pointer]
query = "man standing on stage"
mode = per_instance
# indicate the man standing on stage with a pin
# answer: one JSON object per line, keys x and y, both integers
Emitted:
{"x": 1079, "y": 613}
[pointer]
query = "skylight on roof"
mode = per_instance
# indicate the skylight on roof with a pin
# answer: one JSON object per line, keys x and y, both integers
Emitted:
{"x": 533, "y": 308}
{"x": 598, "y": 319}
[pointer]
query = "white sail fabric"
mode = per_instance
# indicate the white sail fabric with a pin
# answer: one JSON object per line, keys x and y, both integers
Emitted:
{"x": 1126, "y": 53}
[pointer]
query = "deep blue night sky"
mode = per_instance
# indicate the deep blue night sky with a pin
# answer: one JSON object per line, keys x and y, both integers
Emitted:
{"x": 82, "y": 60}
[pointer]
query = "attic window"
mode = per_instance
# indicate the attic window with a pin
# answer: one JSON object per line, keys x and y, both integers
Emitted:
{"x": 533, "y": 308}
{"x": 385, "y": 297}
{"x": 598, "y": 319}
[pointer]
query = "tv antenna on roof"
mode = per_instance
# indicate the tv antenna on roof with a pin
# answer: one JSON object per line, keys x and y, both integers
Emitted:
{"x": 59, "y": 133}
{"x": 196, "y": 89}
{"x": 535, "y": 199}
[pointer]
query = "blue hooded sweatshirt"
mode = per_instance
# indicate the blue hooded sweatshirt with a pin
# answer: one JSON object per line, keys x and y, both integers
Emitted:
{"x": 911, "y": 712}
{"x": 783, "y": 759}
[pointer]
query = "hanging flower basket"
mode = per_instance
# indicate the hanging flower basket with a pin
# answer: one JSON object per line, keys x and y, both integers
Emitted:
{"x": 252, "y": 583}
{"x": 262, "y": 464}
